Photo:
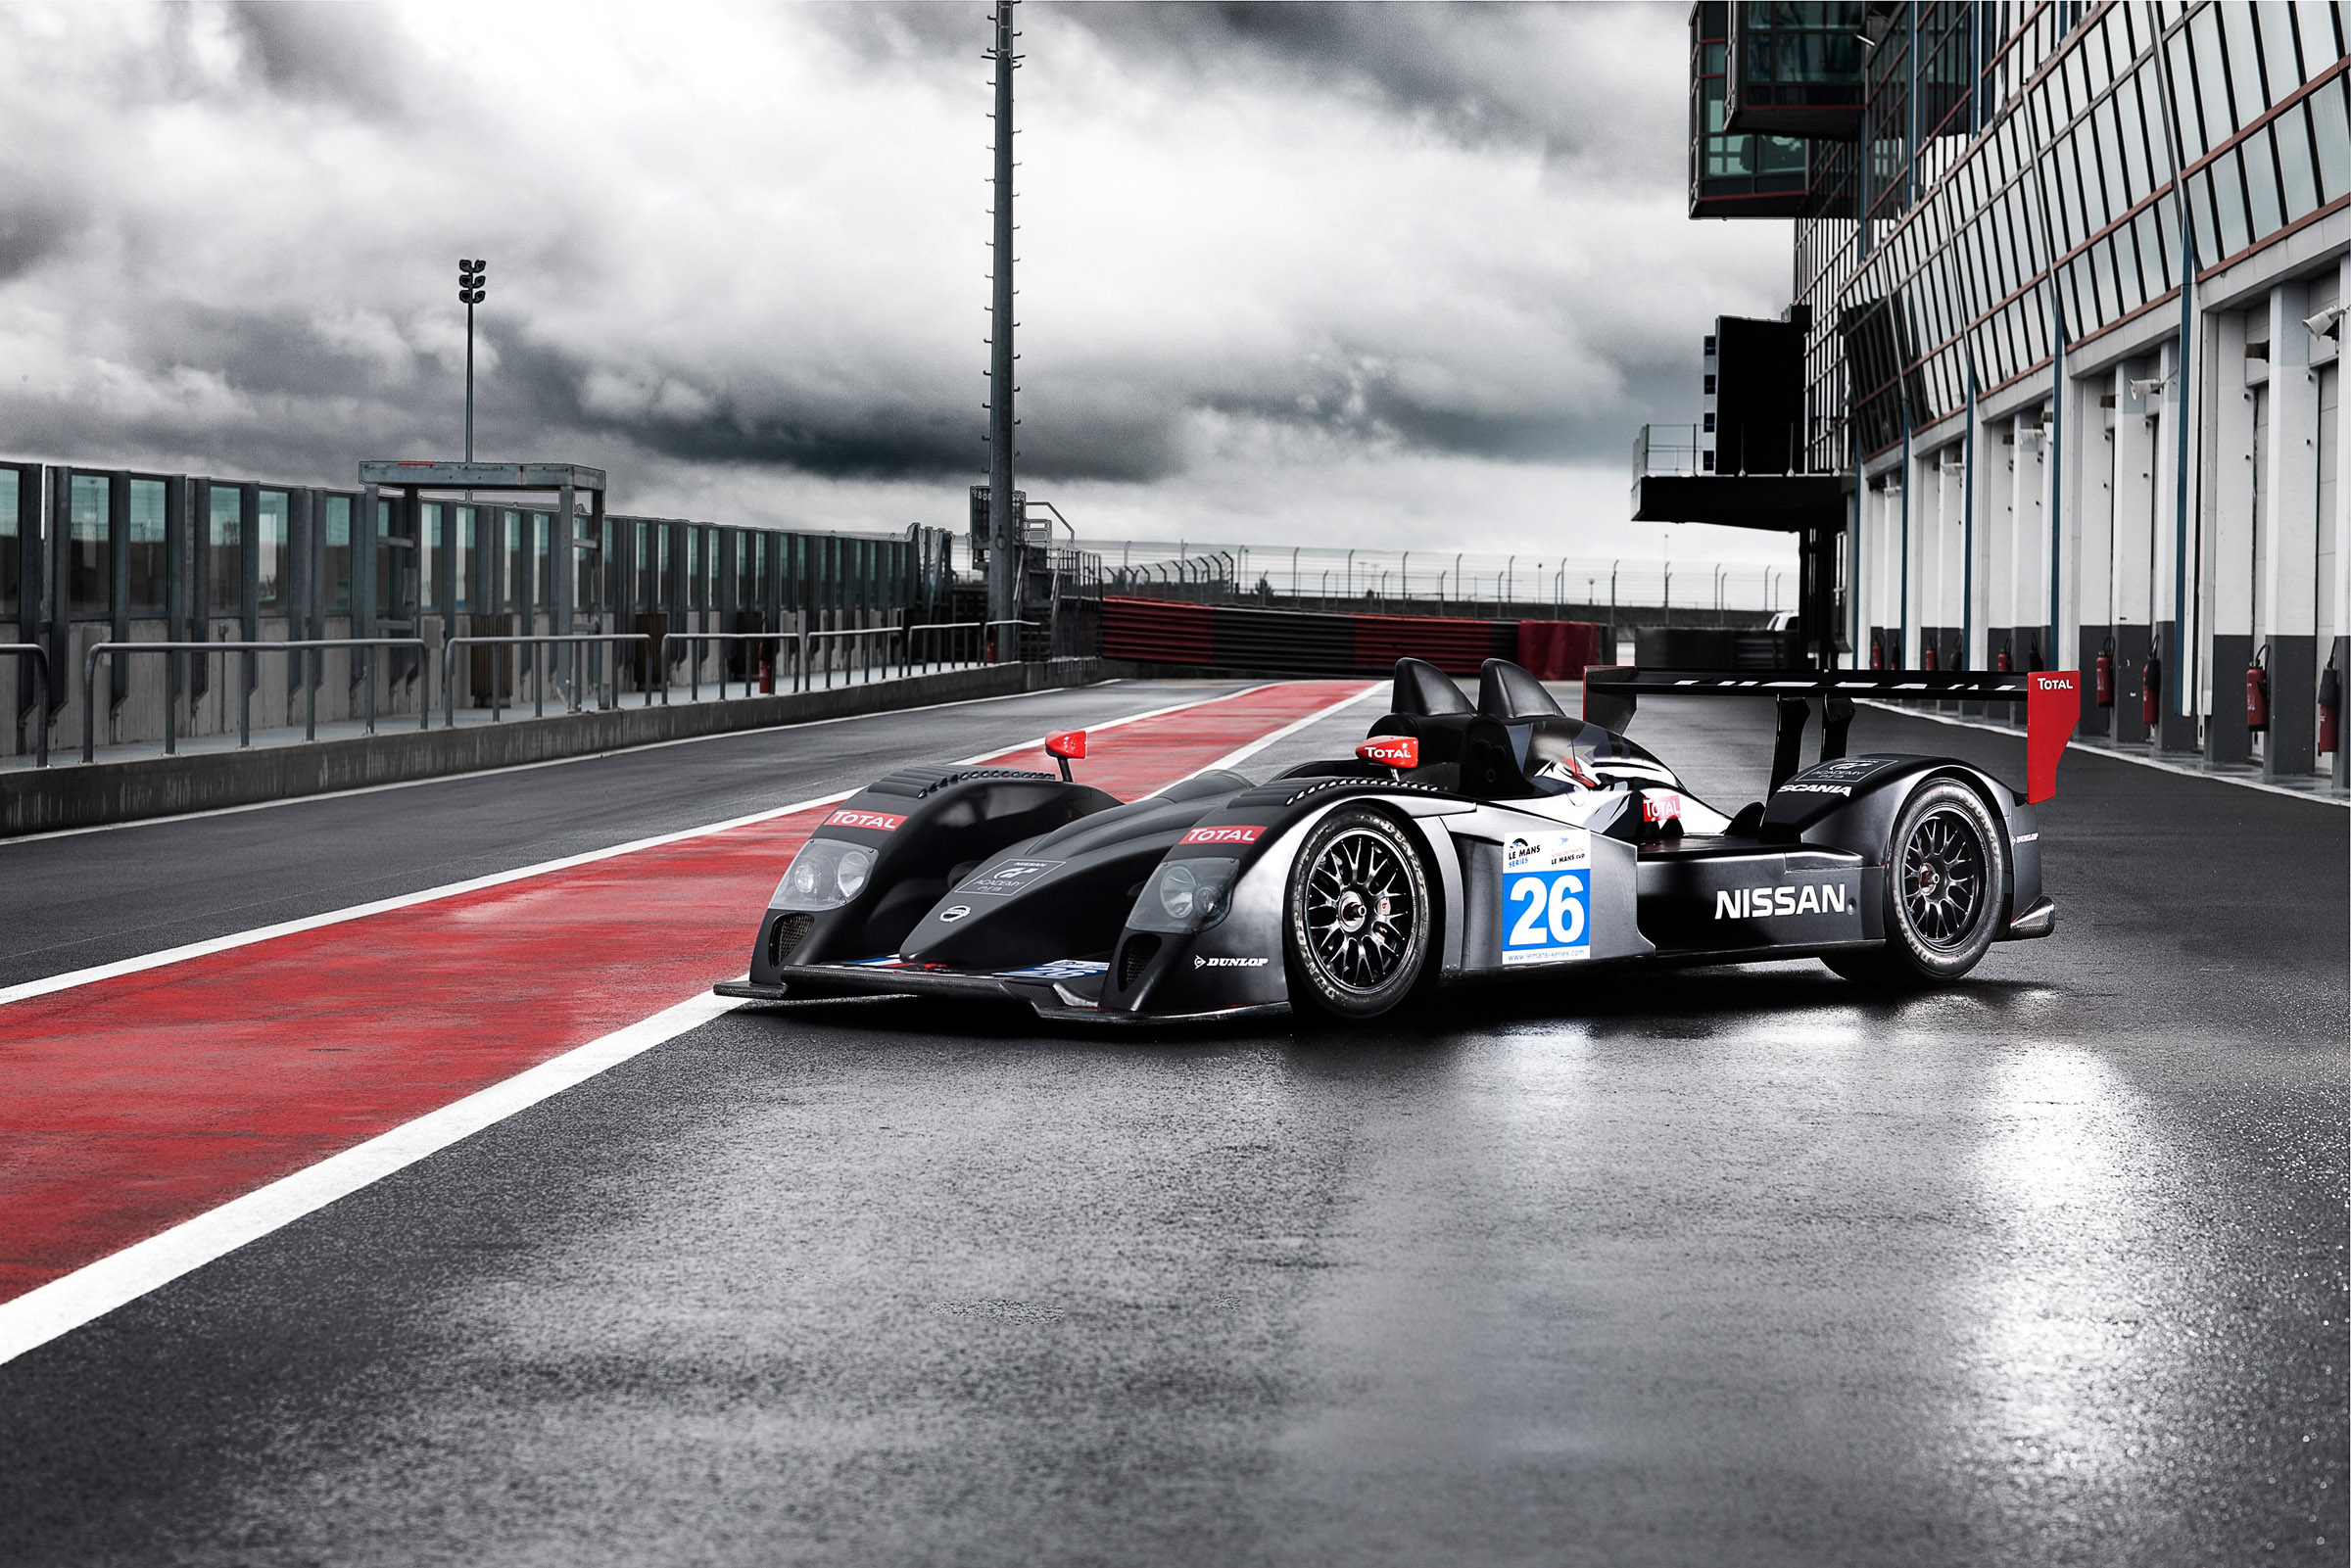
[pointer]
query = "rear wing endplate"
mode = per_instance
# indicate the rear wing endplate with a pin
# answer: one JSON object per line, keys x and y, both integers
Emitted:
{"x": 2052, "y": 702}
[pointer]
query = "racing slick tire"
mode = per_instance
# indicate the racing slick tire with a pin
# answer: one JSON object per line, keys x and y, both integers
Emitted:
{"x": 1356, "y": 917}
{"x": 1946, "y": 865}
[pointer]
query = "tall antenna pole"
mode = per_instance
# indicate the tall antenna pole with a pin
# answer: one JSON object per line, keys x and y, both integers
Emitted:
{"x": 1003, "y": 520}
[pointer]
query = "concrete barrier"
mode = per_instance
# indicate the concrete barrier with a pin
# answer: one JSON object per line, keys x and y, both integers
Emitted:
{"x": 93, "y": 794}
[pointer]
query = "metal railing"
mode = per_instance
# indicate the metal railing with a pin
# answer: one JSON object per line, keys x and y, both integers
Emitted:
{"x": 853, "y": 635}
{"x": 914, "y": 635}
{"x": 574, "y": 639}
{"x": 40, "y": 709}
{"x": 693, "y": 686}
{"x": 309, "y": 730}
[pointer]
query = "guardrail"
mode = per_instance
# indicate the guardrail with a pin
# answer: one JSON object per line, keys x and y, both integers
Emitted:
{"x": 575, "y": 639}
{"x": 310, "y": 731}
{"x": 930, "y": 628}
{"x": 40, "y": 711}
{"x": 694, "y": 664}
{"x": 992, "y": 649}
{"x": 847, "y": 633}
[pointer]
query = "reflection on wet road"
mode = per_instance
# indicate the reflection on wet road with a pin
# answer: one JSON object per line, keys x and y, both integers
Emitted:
{"x": 1716, "y": 1267}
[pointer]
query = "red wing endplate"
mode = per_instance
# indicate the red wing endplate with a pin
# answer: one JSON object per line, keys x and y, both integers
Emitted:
{"x": 2052, "y": 707}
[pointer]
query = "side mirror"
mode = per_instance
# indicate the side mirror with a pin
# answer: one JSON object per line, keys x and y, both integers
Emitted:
{"x": 1063, "y": 747}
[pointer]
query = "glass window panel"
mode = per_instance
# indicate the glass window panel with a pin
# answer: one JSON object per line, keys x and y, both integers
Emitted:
{"x": 89, "y": 566}
{"x": 2244, "y": 63}
{"x": 510, "y": 588}
{"x": 223, "y": 582}
{"x": 148, "y": 557}
{"x": 2320, "y": 42}
{"x": 2261, "y": 181}
{"x": 2183, "y": 99}
{"x": 2332, "y": 134}
{"x": 337, "y": 565}
{"x": 270, "y": 544}
{"x": 2301, "y": 175}
{"x": 2212, "y": 76}
{"x": 543, "y": 530}
{"x": 11, "y": 543}
{"x": 2278, "y": 57}
{"x": 431, "y": 547}
{"x": 2109, "y": 135}
{"x": 2229, "y": 195}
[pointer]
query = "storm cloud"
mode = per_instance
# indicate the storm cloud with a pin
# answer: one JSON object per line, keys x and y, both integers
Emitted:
{"x": 1285, "y": 270}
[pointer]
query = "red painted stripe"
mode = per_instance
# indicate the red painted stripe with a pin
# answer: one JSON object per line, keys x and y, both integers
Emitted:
{"x": 131, "y": 1104}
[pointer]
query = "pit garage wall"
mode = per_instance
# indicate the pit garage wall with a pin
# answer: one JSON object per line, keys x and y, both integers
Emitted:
{"x": 90, "y": 555}
{"x": 1955, "y": 538}
{"x": 1165, "y": 633}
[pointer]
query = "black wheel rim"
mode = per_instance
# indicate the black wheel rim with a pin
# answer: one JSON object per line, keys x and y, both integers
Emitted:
{"x": 1944, "y": 874}
{"x": 1359, "y": 914}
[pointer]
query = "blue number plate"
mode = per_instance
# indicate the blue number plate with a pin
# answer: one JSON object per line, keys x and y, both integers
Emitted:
{"x": 1547, "y": 897}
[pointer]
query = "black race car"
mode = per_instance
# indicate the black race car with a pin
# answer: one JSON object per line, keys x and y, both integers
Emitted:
{"x": 1500, "y": 840}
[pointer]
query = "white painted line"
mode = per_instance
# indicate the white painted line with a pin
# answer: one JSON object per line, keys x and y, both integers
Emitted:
{"x": 1233, "y": 759}
{"x": 2084, "y": 748}
{"x": 382, "y": 906}
{"x": 66, "y": 1303}
{"x": 558, "y": 762}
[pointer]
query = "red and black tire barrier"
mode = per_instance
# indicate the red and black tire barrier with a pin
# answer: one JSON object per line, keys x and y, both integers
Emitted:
{"x": 1224, "y": 636}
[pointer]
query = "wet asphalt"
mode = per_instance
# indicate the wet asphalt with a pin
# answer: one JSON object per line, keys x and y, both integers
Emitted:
{"x": 1716, "y": 1267}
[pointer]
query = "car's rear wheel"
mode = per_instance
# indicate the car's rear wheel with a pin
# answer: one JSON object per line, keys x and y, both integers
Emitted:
{"x": 1356, "y": 917}
{"x": 1946, "y": 869}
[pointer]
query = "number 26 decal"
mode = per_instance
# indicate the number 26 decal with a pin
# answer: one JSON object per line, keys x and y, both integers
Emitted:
{"x": 1553, "y": 912}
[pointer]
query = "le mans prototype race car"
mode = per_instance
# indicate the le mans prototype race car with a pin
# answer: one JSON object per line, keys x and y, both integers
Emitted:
{"x": 1500, "y": 840}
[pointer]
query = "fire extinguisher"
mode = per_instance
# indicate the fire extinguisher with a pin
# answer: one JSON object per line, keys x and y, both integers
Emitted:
{"x": 767, "y": 678}
{"x": 2150, "y": 682}
{"x": 2003, "y": 662}
{"x": 2257, "y": 693}
{"x": 1926, "y": 656}
{"x": 2330, "y": 706}
{"x": 2106, "y": 675}
{"x": 1877, "y": 654}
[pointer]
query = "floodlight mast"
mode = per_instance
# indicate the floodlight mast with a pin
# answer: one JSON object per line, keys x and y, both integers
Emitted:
{"x": 472, "y": 291}
{"x": 1003, "y": 520}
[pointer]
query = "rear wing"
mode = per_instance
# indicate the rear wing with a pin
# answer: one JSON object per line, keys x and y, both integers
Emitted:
{"x": 2052, "y": 704}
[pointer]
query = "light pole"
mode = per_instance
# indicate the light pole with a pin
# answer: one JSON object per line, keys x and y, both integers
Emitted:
{"x": 1404, "y": 577}
{"x": 473, "y": 289}
{"x": 1511, "y": 578}
{"x": 1351, "y": 574}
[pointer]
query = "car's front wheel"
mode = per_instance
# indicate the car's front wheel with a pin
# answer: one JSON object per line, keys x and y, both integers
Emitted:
{"x": 1947, "y": 869}
{"x": 1356, "y": 916}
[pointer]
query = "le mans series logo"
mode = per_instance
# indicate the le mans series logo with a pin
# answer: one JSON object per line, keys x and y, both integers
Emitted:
{"x": 1547, "y": 897}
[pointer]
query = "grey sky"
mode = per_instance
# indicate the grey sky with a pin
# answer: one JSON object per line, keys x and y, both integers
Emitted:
{"x": 1388, "y": 275}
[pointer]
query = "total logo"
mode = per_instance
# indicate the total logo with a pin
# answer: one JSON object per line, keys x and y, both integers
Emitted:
{"x": 1223, "y": 835}
{"x": 1200, "y": 962}
{"x": 880, "y": 822}
{"x": 1658, "y": 805}
{"x": 1758, "y": 903}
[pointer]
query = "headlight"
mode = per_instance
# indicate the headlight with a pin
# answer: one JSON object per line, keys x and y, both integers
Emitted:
{"x": 1185, "y": 895}
{"x": 856, "y": 866}
{"x": 1178, "y": 891}
{"x": 826, "y": 874}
